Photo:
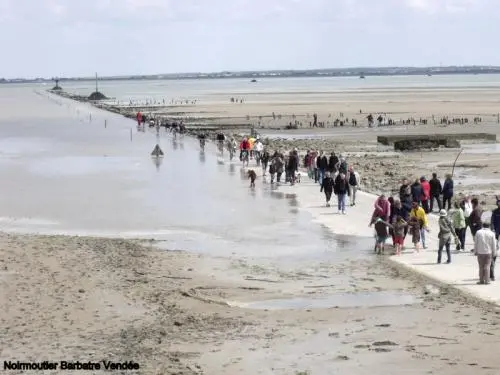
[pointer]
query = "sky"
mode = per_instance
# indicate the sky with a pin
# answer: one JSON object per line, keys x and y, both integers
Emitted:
{"x": 47, "y": 38}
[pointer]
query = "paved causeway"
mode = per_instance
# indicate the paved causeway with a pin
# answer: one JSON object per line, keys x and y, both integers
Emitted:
{"x": 462, "y": 273}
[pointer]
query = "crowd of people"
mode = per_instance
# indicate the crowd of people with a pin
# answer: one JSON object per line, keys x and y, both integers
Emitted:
{"x": 407, "y": 214}
{"x": 395, "y": 217}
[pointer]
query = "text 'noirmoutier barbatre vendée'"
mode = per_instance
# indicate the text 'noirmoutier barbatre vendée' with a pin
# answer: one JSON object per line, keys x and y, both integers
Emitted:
{"x": 71, "y": 365}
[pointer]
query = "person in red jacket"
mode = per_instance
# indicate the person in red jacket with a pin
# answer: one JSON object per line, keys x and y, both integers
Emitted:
{"x": 426, "y": 194}
{"x": 244, "y": 146}
{"x": 139, "y": 118}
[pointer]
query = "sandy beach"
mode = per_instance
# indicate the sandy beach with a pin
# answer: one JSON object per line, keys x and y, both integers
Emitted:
{"x": 87, "y": 299}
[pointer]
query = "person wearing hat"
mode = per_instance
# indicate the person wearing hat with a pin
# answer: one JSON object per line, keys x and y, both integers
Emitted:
{"x": 485, "y": 248}
{"x": 446, "y": 231}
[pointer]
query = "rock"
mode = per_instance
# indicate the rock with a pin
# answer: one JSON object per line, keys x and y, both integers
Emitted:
{"x": 81, "y": 290}
{"x": 384, "y": 343}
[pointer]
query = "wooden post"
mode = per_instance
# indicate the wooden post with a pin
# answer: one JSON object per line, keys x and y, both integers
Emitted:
{"x": 453, "y": 169}
{"x": 105, "y": 124}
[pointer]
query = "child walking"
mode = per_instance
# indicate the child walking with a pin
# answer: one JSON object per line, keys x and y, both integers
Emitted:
{"x": 399, "y": 233}
{"x": 382, "y": 234}
{"x": 414, "y": 226}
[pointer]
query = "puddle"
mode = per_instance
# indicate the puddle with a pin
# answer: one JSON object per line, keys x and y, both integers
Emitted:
{"x": 368, "y": 299}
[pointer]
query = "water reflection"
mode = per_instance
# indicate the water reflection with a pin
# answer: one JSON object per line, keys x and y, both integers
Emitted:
{"x": 202, "y": 157}
{"x": 181, "y": 143}
{"x": 232, "y": 169}
{"x": 157, "y": 161}
{"x": 175, "y": 144}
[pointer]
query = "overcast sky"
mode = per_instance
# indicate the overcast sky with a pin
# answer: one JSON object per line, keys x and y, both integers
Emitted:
{"x": 113, "y": 37}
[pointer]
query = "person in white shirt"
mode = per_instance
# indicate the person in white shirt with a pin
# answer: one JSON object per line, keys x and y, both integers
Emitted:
{"x": 485, "y": 248}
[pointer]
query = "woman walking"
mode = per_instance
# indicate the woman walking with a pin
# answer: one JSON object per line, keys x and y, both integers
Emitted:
{"x": 327, "y": 187}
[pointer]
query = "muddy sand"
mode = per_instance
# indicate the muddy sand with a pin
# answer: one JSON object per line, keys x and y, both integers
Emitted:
{"x": 77, "y": 298}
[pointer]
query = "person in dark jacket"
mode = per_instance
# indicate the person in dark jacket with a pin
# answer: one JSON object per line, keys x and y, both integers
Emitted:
{"x": 448, "y": 192}
{"x": 405, "y": 192}
{"x": 495, "y": 226}
{"x": 416, "y": 191}
{"x": 495, "y": 219}
{"x": 327, "y": 187}
{"x": 322, "y": 163}
{"x": 340, "y": 188}
{"x": 476, "y": 221}
{"x": 264, "y": 159}
{"x": 332, "y": 162}
{"x": 293, "y": 166}
{"x": 436, "y": 191}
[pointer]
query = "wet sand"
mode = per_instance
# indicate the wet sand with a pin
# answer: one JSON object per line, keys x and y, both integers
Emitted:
{"x": 94, "y": 299}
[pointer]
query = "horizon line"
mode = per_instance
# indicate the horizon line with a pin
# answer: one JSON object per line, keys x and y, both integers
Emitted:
{"x": 361, "y": 69}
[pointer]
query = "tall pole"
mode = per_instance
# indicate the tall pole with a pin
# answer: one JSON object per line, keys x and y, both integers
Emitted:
{"x": 96, "y": 88}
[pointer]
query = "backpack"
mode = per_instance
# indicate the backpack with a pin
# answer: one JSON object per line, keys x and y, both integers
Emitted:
{"x": 343, "y": 167}
{"x": 352, "y": 179}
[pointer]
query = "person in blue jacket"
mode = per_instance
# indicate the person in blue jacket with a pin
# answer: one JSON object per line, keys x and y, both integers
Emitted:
{"x": 447, "y": 191}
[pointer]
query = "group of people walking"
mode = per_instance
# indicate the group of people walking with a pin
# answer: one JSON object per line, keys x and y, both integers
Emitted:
{"x": 334, "y": 176}
{"x": 396, "y": 217}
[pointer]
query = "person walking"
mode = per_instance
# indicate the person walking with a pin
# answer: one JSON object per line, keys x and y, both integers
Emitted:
{"x": 416, "y": 191}
{"x": 353, "y": 185}
{"x": 419, "y": 213}
{"x": 466, "y": 205}
{"x": 322, "y": 163}
{"x": 426, "y": 194}
{"x": 399, "y": 229}
{"x": 340, "y": 189}
{"x": 405, "y": 192}
{"x": 446, "y": 231}
{"x": 485, "y": 248}
{"x": 457, "y": 218}
{"x": 382, "y": 209}
{"x": 495, "y": 226}
{"x": 327, "y": 187}
{"x": 448, "y": 192}
{"x": 436, "y": 190}
{"x": 475, "y": 217}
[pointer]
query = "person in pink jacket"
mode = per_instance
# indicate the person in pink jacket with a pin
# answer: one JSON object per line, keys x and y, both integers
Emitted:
{"x": 382, "y": 209}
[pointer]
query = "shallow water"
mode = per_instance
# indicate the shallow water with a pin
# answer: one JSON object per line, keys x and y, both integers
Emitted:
{"x": 345, "y": 300}
{"x": 65, "y": 172}
{"x": 482, "y": 148}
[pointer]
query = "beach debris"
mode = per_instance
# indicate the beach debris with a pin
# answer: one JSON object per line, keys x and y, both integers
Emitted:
{"x": 431, "y": 289}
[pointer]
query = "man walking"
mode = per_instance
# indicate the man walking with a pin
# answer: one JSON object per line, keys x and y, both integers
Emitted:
{"x": 353, "y": 185}
{"x": 485, "y": 248}
{"x": 436, "y": 190}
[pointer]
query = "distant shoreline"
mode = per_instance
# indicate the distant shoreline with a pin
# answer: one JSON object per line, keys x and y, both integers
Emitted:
{"x": 347, "y": 72}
